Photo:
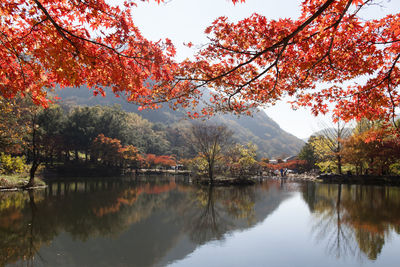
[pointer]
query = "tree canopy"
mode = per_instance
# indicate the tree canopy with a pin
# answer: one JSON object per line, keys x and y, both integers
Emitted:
{"x": 251, "y": 63}
{"x": 73, "y": 43}
{"x": 257, "y": 61}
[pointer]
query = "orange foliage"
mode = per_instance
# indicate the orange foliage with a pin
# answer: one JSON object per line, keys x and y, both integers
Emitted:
{"x": 152, "y": 160}
{"x": 130, "y": 196}
{"x": 291, "y": 165}
{"x": 158, "y": 189}
{"x": 110, "y": 151}
{"x": 375, "y": 149}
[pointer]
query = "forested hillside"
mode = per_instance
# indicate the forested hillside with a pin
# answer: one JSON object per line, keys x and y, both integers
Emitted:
{"x": 270, "y": 139}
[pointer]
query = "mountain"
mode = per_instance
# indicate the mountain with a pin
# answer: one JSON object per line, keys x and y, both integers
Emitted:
{"x": 259, "y": 129}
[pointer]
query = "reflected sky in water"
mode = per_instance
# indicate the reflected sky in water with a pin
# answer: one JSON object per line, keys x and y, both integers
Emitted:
{"x": 169, "y": 222}
{"x": 283, "y": 239}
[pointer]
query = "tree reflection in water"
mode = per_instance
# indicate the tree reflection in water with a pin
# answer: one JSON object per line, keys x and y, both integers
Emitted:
{"x": 218, "y": 211}
{"x": 353, "y": 220}
{"x": 151, "y": 216}
{"x": 208, "y": 223}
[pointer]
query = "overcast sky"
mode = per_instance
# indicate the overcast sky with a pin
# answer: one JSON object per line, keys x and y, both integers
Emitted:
{"x": 184, "y": 21}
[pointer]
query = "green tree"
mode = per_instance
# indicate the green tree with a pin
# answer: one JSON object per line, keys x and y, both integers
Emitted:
{"x": 308, "y": 154}
{"x": 81, "y": 129}
{"x": 52, "y": 123}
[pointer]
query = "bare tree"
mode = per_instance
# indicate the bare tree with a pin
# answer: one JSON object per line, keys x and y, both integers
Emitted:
{"x": 332, "y": 138}
{"x": 209, "y": 140}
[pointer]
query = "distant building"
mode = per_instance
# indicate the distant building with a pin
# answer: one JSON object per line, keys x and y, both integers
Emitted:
{"x": 290, "y": 158}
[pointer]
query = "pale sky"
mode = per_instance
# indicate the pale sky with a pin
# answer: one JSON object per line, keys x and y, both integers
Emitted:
{"x": 184, "y": 21}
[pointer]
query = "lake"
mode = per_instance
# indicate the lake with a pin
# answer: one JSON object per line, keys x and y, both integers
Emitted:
{"x": 169, "y": 222}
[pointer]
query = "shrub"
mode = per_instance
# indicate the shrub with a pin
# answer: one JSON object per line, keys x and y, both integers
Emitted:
{"x": 10, "y": 165}
{"x": 395, "y": 168}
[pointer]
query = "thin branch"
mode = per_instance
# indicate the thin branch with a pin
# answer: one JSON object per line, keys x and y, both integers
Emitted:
{"x": 63, "y": 32}
{"x": 277, "y": 44}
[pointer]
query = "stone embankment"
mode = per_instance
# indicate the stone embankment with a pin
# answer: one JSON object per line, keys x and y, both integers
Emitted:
{"x": 360, "y": 179}
{"x": 292, "y": 177}
{"x": 343, "y": 179}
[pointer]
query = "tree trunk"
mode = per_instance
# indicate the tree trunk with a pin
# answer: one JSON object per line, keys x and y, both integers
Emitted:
{"x": 52, "y": 157}
{"x": 32, "y": 171}
{"x": 339, "y": 164}
{"x": 211, "y": 172}
{"x": 35, "y": 155}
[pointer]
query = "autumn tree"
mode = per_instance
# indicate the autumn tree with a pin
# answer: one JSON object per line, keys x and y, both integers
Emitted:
{"x": 333, "y": 137}
{"x": 165, "y": 161}
{"x": 14, "y": 124}
{"x": 107, "y": 149}
{"x": 152, "y": 160}
{"x": 131, "y": 157}
{"x": 45, "y": 43}
{"x": 210, "y": 140}
{"x": 372, "y": 150}
{"x": 35, "y": 147}
{"x": 253, "y": 62}
{"x": 240, "y": 161}
{"x": 19, "y": 131}
{"x": 257, "y": 61}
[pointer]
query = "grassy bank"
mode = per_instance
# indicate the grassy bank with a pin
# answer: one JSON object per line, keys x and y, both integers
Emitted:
{"x": 17, "y": 181}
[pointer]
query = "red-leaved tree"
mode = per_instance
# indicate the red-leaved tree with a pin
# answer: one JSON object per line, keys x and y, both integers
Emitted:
{"x": 250, "y": 63}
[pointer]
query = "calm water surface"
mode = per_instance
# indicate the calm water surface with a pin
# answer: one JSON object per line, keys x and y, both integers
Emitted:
{"x": 169, "y": 222}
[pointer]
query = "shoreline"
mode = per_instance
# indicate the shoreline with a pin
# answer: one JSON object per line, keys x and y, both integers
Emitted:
{"x": 10, "y": 183}
{"x": 19, "y": 182}
{"x": 342, "y": 179}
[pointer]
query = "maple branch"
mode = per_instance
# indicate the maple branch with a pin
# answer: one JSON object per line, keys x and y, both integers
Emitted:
{"x": 386, "y": 77}
{"x": 390, "y": 94}
{"x": 63, "y": 33}
{"x": 96, "y": 8}
{"x": 33, "y": 28}
{"x": 275, "y": 63}
{"x": 328, "y": 52}
{"x": 393, "y": 105}
{"x": 245, "y": 52}
{"x": 280, "y": 44}
{"x": 59, "y": 29}
{"x": 386, "y": 42}
{"x": 14, "y": 52}
{"x": 277, "y": 44}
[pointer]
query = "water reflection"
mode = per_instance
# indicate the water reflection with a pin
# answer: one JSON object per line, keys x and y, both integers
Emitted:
{"x": 120, "y": 223}
{"x": 218, "y": 211}
{"x": 353, "y": 220}
{"x": 154, "y": 222}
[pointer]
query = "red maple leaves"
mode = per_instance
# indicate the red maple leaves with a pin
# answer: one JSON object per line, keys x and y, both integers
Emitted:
{"x": 258, "y": 61}
{"x": 251, "y": 63}
{"x": 74, "y": 43}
